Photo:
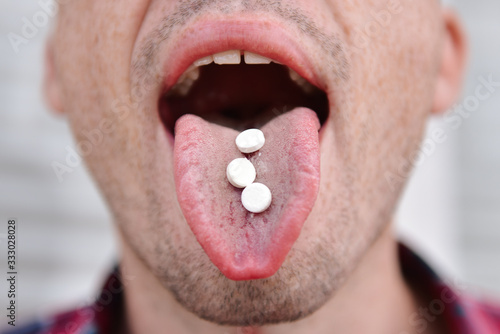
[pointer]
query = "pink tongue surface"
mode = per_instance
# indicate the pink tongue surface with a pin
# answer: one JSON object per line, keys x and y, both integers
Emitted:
{"x": 241, "y": 244}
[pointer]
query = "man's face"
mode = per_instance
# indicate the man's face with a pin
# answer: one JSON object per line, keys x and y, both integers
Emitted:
{"x": 374, "y": 64}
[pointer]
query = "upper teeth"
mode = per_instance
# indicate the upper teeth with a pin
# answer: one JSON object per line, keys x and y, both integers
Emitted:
{"x": 303, "y": 83}
{"x": 227, "y": 57}
{"x": 188, "y": 78}
{"x": 253, "y": 58}
{"x": 204, "y": 61}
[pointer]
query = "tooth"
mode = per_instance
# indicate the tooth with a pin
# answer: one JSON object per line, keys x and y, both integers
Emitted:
{"x": 189, "y": 76}
{"x": 186, "y": 80}
{"x": 193, "y": 73}
{"x": 182, "y": 90}
{"x": 294, "y": 76}
{"x": 253, "y": 58}
{"x": 228, "y": 57}
{"x": 300, "y": 81}
{"x": 204, "y": 61}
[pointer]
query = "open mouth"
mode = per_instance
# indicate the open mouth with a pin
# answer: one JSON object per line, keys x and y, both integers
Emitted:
{"x": 223, "y": 78}
{"x": 239, "y": 90}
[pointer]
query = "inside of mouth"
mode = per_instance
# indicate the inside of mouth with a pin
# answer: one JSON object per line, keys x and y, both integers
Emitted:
{"x": 242, "y": 96}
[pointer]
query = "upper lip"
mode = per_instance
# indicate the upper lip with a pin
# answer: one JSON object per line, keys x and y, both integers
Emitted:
{"x": 208, "y": 37}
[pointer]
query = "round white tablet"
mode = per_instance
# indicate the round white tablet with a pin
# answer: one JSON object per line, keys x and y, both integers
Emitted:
{"x": 256, "y": 197}
{"x": 250, "y": 140}
{"x": 240, "y": 172}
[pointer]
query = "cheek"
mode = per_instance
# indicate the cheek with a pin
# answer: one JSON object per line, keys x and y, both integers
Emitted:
{"x": 380, "y": 114}
{"x": 94, "y": 42}
{"x": 393, "y": 77}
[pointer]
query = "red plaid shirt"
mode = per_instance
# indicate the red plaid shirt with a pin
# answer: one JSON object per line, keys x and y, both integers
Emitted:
{"x": 460, "y": 313}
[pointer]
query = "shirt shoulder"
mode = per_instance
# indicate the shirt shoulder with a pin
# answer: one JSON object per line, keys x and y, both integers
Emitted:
{"x": 102, "y": 316}
{"x": 487, "y": 313}
{"x": 76, "y": 321}
{"x": 461, "y": 312}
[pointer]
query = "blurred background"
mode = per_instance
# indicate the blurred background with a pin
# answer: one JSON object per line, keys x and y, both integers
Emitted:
{"x": 450, "y": 211}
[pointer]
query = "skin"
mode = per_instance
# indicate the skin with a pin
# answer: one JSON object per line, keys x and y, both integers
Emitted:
{"x": 343, "y": 267}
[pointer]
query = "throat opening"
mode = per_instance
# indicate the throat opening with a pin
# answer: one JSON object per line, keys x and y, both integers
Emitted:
{"x": 241, "y": 96}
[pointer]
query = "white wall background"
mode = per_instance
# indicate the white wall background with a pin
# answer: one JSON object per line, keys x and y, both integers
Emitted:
{"x": 451, "y": 209}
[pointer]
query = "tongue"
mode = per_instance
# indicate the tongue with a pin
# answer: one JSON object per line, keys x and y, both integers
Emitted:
{"x": 241, "y": 244}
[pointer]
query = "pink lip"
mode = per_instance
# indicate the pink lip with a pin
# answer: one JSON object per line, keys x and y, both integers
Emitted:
{"x": 208, "y": 37}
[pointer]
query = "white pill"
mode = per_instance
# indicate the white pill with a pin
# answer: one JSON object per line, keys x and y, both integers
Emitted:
{"x": 256, "y": 197}
{"x": 240, "y": 172}
{"x": 250, "y": 140}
